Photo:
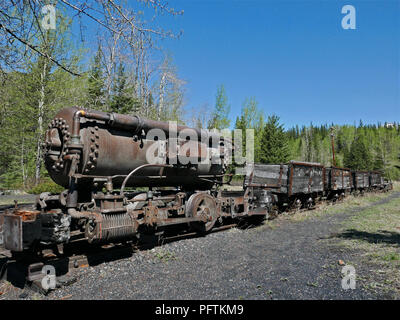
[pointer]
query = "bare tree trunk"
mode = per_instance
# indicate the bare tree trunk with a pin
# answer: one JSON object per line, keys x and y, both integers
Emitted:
{"x": 40, "y": 123}
{"x": 23, "y": 163}
{"x": 162, "y": 91}
{"x": 110, "y": 55}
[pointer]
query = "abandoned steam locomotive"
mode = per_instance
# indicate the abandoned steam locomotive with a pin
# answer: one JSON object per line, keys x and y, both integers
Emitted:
{"x": 125, "y": 175}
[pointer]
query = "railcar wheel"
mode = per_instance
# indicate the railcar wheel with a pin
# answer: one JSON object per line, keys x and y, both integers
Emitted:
{"x": 202, "y": 205}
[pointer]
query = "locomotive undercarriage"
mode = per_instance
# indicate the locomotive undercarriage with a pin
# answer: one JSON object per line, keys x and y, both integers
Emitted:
{"x": 111, "y": 217}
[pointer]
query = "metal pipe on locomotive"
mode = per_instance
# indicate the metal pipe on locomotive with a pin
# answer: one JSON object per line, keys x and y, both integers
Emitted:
{"x": 96, "y": 156}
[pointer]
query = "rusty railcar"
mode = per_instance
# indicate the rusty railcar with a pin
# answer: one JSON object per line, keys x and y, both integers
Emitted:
{"x": 378, "y": 182}
{"x": 293, "y": 184}
{"x": 338, "y": 181}
{"x": 376, "y": 179}
{"x": 361, "y": 180}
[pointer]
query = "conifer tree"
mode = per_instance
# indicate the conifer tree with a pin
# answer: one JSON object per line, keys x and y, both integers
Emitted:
{"x": 122, "y": 101}
{"x": 358, "y": 157}
{"x": 274, "y": 142}
{"x": 96, "y": 93}
{"x": 379, "y": 162}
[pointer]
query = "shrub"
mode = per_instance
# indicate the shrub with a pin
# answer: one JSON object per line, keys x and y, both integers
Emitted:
{"x": 46, "y": 186}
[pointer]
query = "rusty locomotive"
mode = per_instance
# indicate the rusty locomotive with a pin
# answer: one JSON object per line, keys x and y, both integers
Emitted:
{"x": 114, "y": 192}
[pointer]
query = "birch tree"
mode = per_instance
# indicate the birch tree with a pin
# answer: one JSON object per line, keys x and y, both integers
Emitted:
{"x": 123, "y": 19}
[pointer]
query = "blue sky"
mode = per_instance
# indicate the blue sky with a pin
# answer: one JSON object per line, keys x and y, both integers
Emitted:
{"x": 292, "y": 56}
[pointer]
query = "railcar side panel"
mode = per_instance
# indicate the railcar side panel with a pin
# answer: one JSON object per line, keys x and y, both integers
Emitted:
{"x": 291, "y": 179}
{"x": 376, "y": 179}
{"x": 361, "y": 179}
{"x": 270, "y": 176}
{"x": 306, "y": 178}
{"x": 339, "y": 179}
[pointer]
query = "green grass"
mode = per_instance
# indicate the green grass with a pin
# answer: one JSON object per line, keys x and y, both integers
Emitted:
{"x": 164, "y": 255}
{"x": 327, "y": 208}
{"x": 374, "y": 233}
{"x": 376, "y": 230}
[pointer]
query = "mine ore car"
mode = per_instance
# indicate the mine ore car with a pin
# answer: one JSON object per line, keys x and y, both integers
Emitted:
{"x": 339, "y": 181}
{"x": 361, "y": 180}
{"x": 376, "y": 180}
{"x": 292, "y": 184}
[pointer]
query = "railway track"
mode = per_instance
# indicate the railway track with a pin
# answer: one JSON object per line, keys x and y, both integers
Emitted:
{"x": 78, "y": 254}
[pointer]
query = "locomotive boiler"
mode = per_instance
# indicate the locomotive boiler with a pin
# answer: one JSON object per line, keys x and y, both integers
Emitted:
{"x": 96, "y": 145}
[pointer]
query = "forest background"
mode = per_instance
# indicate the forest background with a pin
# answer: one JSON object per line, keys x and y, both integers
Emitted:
{"x": 43, "y": 70}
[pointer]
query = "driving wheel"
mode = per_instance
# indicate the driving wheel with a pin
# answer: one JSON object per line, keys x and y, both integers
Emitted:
{"x": 202, "y": 205}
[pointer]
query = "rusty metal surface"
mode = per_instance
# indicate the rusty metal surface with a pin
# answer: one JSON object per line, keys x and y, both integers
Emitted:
{"x": 13, "y": 228}
{"x": 292, "y": 178}
{"x": 113, "y": 145}
{"x": 339, "y": 178}
{"x": 306, "y": 178}
{"x": 109, "y": 227}
{"x": 361, "y": 179}
{"x": 13, "y": 239}
{"x": 202, "y": 206}
{"x": 376, "y": 178}
{"x": 266, "y": 176}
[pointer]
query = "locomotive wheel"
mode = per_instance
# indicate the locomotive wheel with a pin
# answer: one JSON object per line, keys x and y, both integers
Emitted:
{"x": 202, "y": 205}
